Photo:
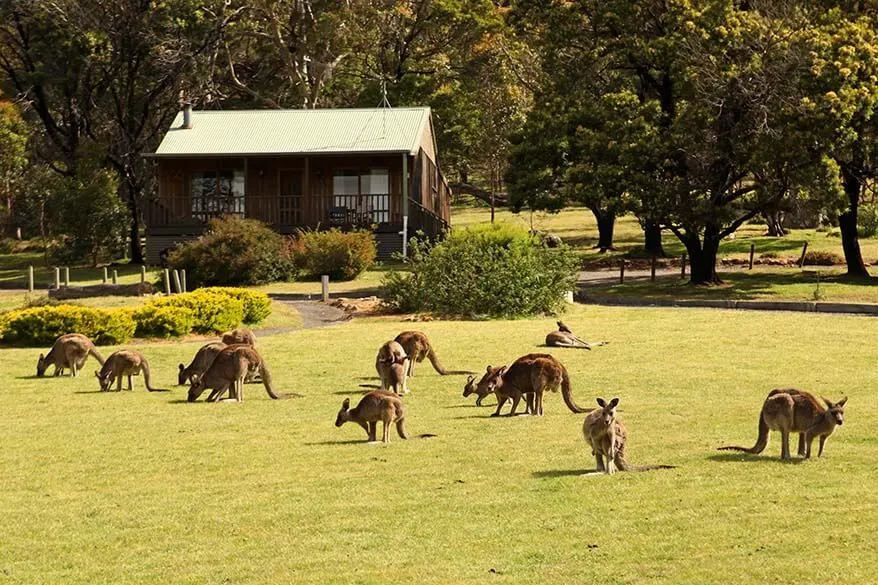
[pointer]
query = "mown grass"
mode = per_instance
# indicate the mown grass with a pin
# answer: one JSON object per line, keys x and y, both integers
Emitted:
{"x": 145, "y": 488}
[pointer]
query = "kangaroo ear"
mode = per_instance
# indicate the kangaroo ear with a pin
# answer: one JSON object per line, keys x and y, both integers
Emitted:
{"x": 828, "y": 402}
{"x": 181, "y": 367}
{"x": 501, "y": 371}
{"x": 346, "y": 404}
{"x": 601, "y": 402}
{"x": 614, "y": 402}
{"x": 42, "y": 357}
{"x": 487, "y": 370}
{"x": 470, "y": 379}
{"x": 842, "y": 401}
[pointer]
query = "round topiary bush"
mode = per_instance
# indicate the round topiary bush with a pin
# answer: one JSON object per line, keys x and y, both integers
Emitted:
{"x": 341, "y": 255}
{"x": 495, "y": 271}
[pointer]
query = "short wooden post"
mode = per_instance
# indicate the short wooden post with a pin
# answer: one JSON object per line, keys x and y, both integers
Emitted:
{"x": 652, "y": 269}
{"x": 752, "y": 251}
{"x": 177, "y": 281}
{"x": 30, "y": 279}
{"x": 57, "y": 278}
{"x": 804, "y": 251}
{"x": 115, "y": 277}
{"x": 324, "y": 287}
{"x": 142, "y": 274}
{"x": 167, "y": 282}
{"x": 183, "y": 279}
{"x": 683, "y": 266}
{"x": 105, "y": 275}
{"x": 67, "y": 276}
{"x": 622, "y": 272}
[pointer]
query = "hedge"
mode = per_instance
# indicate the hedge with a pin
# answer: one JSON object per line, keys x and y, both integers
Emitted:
{"x": 168, "y": 321}
{"x": 42, "y": 325}
{"x": 211, "y": 312}
{"x": 257, "y": 305}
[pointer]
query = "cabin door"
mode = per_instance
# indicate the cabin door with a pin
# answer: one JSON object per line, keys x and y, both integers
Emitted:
{"x": 291, "y": 188}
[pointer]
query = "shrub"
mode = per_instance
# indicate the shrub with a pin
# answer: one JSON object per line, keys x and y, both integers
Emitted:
{"x": 211, "y": 312}
{"x": 341, "y": 255}
{"x": 257, "y": 305}
{"x": 497, "y": 272}
{"x": 822, "y": 258}
{"x": 163, "y": 321}
{"x": 867, "y": 220}
{"x": 235, "y": 251}
{"x": 42, "y": 325}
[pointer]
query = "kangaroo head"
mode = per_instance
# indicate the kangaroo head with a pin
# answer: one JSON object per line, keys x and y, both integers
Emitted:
{"x": 104, "y": 381}
{"x": 470, "y": 386}
{"x": 196, "y": 389}
{"x": 181, "y": 377}
{"x": 344, "y": 413}
{"x": 41, "y": 365}
{"x": 492, "y": 380}
{"x": 835, "y": 410}
{"x": 608, "y": 410}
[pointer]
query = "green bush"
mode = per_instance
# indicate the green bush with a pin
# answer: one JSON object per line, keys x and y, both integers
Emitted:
{"x": 235, "y": 251}
{"x": 257, "y": 305}
{"x": 211, "y": 312}
{"x": 867, "y": 220}
{"x": 341, "y": 255}
{"x": 163, "y": 321}
{"x": 822, "y": 258}
{"x": 42, "y": 325}
{"x": 490, "y": 271}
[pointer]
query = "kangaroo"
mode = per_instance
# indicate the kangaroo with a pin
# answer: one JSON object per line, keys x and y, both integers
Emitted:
{"x": 564, "y": 337}
{"x": 68, "y": 351}
{"x": 124, "y": 362}
{"x": 391, "y": 357}
{"x": 608, "y": 439}
{"x": 239, "y": 335}
{"x": 531, "y": 374}
{"x": 227, "y": 372}
{"x": 200, "y": 362}
{"x": 473, "y": 388}
{"x": 417, "y": 347}
{"x": 795, "y": 411}
{"x": 374, "y": 406}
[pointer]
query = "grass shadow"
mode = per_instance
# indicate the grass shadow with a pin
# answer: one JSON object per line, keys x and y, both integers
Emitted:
{"x": 549, "y": 473}
{"x": 90, "y": 392}
{"x": 345, "y": 442}
{"x": 748, "y": 458}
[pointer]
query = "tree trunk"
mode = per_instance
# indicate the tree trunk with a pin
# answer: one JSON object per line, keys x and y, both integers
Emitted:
{"x": 847, "y": 222}
{"x": 606, "y": 220}
{"x": 702, "y": 257}
{"x": 132, "y": 196}
{"x": 652, "y": 238}
{"x": 774, "y": 221}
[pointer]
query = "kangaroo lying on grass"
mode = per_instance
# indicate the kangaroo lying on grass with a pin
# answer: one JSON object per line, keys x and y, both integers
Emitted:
{"x": 530, "y": 376}
{"x": 608, "y": 439}
{"x": 124, "y": 362}
{"x": 416, "y": 345}
{"x": 564, "y": 337}
{"x": 238, "y": 336}
{"x": 473, "y": 388}
{"x": 68, "y": 351}
{"x": 795, "y": 411}
{"x": 391, "y": 364}
{"x": 200, "y": 362}
{"x": 227, "y": 372}
{"x": 374, "y": 406}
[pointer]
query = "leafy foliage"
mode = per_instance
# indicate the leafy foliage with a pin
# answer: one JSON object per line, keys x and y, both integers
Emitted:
{"x": 341, "y": 255}
{"x": 257, "y": 305}
{"x": 42, "y": 325}
{"x": 494, "y": 271}
{"x": 163, "y": 321}
{"x": 211, "y": 312}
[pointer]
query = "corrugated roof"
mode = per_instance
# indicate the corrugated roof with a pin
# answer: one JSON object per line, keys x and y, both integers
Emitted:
{"x": 263, "y": 132}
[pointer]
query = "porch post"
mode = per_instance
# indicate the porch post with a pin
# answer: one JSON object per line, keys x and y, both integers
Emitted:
{"x": 405, "y": 205}
{"x": 306, "y": 205}
{"x": 246, "y": 181}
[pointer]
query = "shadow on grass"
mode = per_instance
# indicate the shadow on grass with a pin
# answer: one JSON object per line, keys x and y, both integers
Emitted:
{"x": 346, "y": 442}
{"x": 92, "y": 392}
{"x": 748, "y": 458}
{"x": 565, "y": 473}
{"x": 35, "y": 377}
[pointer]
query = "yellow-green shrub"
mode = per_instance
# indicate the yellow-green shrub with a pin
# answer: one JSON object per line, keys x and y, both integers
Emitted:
{"x": 163, "y": 321}
{"x": 257, "y": 305}
{"x": 341, "y": 255}
{"x": 211, "y": 312}
{"x": 42, "y": 325}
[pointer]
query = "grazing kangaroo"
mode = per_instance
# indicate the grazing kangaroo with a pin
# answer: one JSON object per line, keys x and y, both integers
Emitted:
{"x": 390, "y": 361}
{"x": 417, "y": 347}
{"x": 68, "y": 351}
{"x": 227, "y": 372}
{"x": 473, "y": 388}
{"x": 374, "y": 406}
{"x": 531, "y": 374}
{"x": 200, "y": 362}
{"x": 608, "y": 439}
{"x": 124, "y": 362}
{"x": 239, "y": 335}
{"x": 795, "y": 411}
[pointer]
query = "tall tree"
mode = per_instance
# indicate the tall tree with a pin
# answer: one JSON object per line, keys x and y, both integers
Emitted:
{"x": 13, "y": 157}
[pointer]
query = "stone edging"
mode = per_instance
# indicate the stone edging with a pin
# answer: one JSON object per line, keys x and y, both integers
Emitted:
{"x": 801, "y": 306}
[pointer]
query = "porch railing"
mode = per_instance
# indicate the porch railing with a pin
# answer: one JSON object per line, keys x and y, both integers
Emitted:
{"x": 421, "y": 218}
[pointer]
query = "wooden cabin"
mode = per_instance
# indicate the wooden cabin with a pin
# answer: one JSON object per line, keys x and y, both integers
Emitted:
{"x": 293, "y": 169}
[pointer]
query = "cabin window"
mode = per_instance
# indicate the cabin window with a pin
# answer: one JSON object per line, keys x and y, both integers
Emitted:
{"x": 361, "y": 197}
{"x": 217, "y": 193}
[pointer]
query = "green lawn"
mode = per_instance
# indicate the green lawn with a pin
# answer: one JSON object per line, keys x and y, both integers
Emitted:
{"x": 145, "y": 488}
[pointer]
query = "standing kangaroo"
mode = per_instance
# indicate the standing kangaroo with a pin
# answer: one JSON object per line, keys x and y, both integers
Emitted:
{"x": 239, "y": 335}
{"x": 608, "y": 439}
{"x": 227, "y": 372}
{"x": 531, "y": 374}
{"x": 200, "y": 362}
{"x": 473, "y": 388}
{"x": 417, "y": 347}
{"x": 391, "y": 363}
{"x": 375, "y": 406}
{"x": 795, "y": 411}
{"x": 68, "y": 351}
{"x": 124, "y": 362}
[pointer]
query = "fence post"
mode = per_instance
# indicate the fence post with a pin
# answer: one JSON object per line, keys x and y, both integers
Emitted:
{"x": 183, "y": 279}
{"x": 752, "y": 251}
{"x": 683, "y": 266}
{"x": 105, "y": 275}
{"x": 142, "y": 274}
{"x": 67, "y": 276}
{"x": 167, "y": 282}
{"x": 804, "y": 251}
{"x": 115, "y": 277}
{"x": 652, "y": 269}
{"x": 57, "y": 278}
{"x": 622, "y": 272}
{"x": 30, "y": 279}
{"x": 177, "y": 281}
{"x": 324, "y": 287}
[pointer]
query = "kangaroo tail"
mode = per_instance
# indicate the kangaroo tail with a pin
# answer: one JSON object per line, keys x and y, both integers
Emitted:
{"x": 431, "y": 355}
{"x": 266, "y": 381}
{"x": 400, "y": 428}
{"x": 567, "y": 393}
{"x": 93, "y": 351}
{"x": 144, "y": 365}
{"x": 761, "y": 441}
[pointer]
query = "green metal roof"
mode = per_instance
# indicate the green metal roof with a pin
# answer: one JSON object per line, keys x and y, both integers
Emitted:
{"x": 270, "y": 132}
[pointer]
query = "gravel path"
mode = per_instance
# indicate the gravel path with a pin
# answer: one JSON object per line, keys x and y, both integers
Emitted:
{"x": 313, "y": 313}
